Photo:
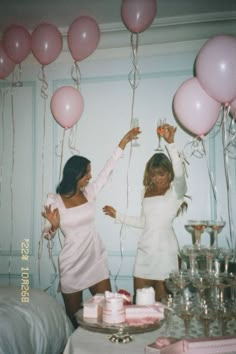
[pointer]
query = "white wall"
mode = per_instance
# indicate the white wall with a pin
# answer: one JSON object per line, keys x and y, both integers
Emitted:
{"x": 31, "y": 142}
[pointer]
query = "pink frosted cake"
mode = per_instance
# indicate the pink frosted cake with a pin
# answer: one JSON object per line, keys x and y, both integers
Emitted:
{"x": 93, "y": 308}
{"x": 138, "y": 315}
{"x": 113, "y": 308}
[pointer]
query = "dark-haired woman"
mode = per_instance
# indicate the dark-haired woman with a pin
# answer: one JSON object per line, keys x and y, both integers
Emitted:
{"x": 83, "y": 260}
{"x": 164, "y": 191}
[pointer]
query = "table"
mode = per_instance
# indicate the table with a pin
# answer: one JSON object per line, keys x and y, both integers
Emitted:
{"x": 83, "y": 341}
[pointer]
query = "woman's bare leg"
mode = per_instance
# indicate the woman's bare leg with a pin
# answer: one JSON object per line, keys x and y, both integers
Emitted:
{"x": 73, "y": 302}
{"x": 101, "y": 287}
{"x": 160, "y": 290}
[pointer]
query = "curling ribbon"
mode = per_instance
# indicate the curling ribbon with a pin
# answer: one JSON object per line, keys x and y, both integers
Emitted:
{"x": 44, "y": 86}
{"x": 231, "y": 144}
{"x": 228, "y": 181}
{"x": 71, "y": 140}
{"x": 16, "y": 77}
{"x": 75, "y": 74}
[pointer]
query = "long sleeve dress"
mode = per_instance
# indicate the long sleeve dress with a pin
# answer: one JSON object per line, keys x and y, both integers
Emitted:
{"x": 157, "y": 249}
{"x": 83, "y": 259}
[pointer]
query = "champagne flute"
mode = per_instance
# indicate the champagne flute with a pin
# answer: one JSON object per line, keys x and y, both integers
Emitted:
{"x": 201, "y": 283}
{"x": 186, "y": 312}
{"x": 135, "y": 124}
{"x": 159, "y": 132}
{"x": 224, "y": 315}
{"x": 215, "y": 226}
{"x": 227, "y": 254}
{"x": 206, "y": 317}
{"x": 197, "y": 228}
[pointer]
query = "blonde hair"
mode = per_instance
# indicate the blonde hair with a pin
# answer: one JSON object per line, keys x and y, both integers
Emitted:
{"x": 161, "y": 161}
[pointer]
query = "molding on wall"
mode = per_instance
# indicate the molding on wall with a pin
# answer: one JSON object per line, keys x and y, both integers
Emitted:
{"x": 165, "y": 35}
{"x": 167, "y": 30}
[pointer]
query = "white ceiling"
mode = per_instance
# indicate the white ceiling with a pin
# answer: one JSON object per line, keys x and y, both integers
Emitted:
{"x": 61, "y": 13}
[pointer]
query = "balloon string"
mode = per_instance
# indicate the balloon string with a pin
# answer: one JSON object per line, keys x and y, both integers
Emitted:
{"x": 196, "y": 148}
{"x": 133, "y": 78}
{"x": 11, "y": 185}
{"x": 62, "y": 153}
{"x": 60, "y": 169}
{"x": 17, "y": 76}
{"x": 228, "y": 182}
{"x": 44, "y": 86}
{"x": 75, "y": 74}
{"x": 232, "y": 136}
{"x": 44, "y": 97}
{"x": 43, "y": 146}
{"x": 2, "y": 100}
{"x": 71, "y": 140}
{"x": 211, "y": 178}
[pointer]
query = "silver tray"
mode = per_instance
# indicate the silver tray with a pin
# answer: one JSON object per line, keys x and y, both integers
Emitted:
{"x": 95, "y": 326}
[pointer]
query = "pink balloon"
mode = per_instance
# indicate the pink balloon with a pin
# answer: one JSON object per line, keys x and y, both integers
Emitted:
{"x": 138, "y": 15}
{"x": 6, "y": 64}
{"x": 17, "y": 43}
{"x": 216, "y": 67}
{"x": 67, "y": 105}
{"x": 194, "y": 108}
{"x": 46, "y": 43}
{"x": 83, "y": 37}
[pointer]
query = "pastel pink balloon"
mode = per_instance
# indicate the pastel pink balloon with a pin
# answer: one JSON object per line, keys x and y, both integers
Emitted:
{"x": 67, "y": 105}
{"x": 6, "y": 64}
{"x": 83, "y": 37}
{"x": 194, "y": 108}
{"x": 138, "y": 15}
{"x": 46, "y": 43}
{"x": 17, "y": 43}
{"x": 216, "y": 67}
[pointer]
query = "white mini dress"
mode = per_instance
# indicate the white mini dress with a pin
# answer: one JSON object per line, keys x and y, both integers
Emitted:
{"x": 157, "y": 249}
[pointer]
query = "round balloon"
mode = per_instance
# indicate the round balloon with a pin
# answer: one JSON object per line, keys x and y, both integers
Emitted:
{"x": 17, "y": 43}
{"x": 138, "y": 15}
{"x": 67, "y": 105}
{"x": 216, "y": 67}
{"x": 83, "y": 37}
{"x": 6, "y": 64}
{"x": 194, "y": 108}
{"x": 46, "y": 43}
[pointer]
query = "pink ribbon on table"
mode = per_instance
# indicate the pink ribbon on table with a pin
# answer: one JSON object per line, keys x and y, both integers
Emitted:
{"x": 162, "y": 342}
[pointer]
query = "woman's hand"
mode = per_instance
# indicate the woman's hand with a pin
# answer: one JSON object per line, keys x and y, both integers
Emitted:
{"x": 109, "y": 210}
{"x": 132, "y": 134}
{"x": 53, "y": 216}
{"x": 168, "y": 133}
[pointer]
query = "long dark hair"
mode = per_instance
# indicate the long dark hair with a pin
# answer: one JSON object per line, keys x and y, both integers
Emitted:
{"x": 74, "y": 169}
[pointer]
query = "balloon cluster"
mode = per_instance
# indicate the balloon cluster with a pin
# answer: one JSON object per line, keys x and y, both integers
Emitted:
{"x": 198, "y": 101}
{"x": 45, "y": 43}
